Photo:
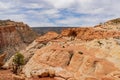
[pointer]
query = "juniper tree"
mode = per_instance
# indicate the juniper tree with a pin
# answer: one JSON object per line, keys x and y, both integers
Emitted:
{"x": 18, "y": 61}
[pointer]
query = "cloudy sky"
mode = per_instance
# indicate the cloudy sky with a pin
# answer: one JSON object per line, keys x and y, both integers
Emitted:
{"x": 60, "y": 12}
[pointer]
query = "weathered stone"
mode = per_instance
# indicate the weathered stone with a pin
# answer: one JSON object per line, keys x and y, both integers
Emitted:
{"x": 14, "y": 36}
{"x": 2, "y": 57}
{"x": 51, "y": 73}
{"x": 40, "y": 73}
{"x": 15, "y": 77}
{"x": 71, "y": 79}
{"x": 90, "y": 78}
{"x": 47, "y": 37}
{"x": 59, "y": 78}
{"x": 108, "y": 78}
{"x": 74, "y": 61}
{"x": 75, "y": 54}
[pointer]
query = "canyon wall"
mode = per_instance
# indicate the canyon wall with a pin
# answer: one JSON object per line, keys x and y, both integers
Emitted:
{"x": 14, "y": 36}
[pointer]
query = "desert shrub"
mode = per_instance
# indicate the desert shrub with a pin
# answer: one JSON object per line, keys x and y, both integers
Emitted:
{"x": 80, "y": 52}
{"x": 18, "y": 61}
{"x": 100, "y": 43}
{"x": 72, "y": 33}
{"x": 63, "y": 46}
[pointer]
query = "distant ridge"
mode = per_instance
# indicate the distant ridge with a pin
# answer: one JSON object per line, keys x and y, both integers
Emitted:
{"x": 42, "y": 30}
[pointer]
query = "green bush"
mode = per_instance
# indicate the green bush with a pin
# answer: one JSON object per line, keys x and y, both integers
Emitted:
{"x": 18, "y": 61}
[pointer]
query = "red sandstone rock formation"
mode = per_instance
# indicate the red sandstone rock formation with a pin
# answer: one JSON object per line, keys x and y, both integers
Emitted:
{"x": 47, "y": 37}
{"x": 2, "y": 57}
{"x": 14, "y": 36}
{"x": 88, "y": 34}
{"x": 93, "y": 54}
{"x": 74, "y": 60}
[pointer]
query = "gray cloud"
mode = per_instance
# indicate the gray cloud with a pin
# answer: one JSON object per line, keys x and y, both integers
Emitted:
{"x": 49, "y": 13}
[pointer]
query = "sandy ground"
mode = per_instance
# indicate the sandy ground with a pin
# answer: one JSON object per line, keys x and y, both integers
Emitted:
{"x": 7, "y": 75}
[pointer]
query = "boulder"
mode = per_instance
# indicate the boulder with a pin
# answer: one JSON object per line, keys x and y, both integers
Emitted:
{"x": 51, "y": 73}
{"x": 16, "y": 77}
{"x": 40, "y": 73}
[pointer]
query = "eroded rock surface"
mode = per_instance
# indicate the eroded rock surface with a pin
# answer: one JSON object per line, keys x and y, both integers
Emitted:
{"x": 14, "y": 36}
{"x": 75, "y": 54}
{"x": 2, "y": 57}
{"x": 76, "y": 60}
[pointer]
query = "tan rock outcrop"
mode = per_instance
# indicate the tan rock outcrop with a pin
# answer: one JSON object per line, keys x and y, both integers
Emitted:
{"x": 76, "y": 60}
{"x": 16, "y": 77}
{"x": 88, "y": 34}
{"x": 47, "y": 37}
{"x": 111, "y": 25}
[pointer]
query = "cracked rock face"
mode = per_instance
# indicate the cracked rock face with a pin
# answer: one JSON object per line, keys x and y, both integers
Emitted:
{"x": 77, "y": 54}
{"x": 76, "y": 60}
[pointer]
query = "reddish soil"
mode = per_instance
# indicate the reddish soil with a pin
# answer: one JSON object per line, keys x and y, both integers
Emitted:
{"x": 42, "y": 79}
{"x": 7, "y": 75}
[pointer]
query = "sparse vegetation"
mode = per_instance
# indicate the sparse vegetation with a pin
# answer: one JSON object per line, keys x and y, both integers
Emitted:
{"x": 72, "y": 33}
{"x": 114, "y": 21}
{"x": 18, "y": 61}
{"x": 63, "y": 46}
{"x": 99, "y": 43}
{"x": 80, "y": 52}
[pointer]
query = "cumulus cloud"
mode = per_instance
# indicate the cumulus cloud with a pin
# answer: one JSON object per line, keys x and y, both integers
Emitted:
{"x": 61, "y": 3}
{"x": 60, "y": 12}
{"x": 5, "y": 6}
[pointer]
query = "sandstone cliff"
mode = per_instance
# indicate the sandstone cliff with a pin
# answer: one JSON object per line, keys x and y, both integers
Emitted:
{"x": 75, "y": 54}
{"x": 14, "y": 36}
